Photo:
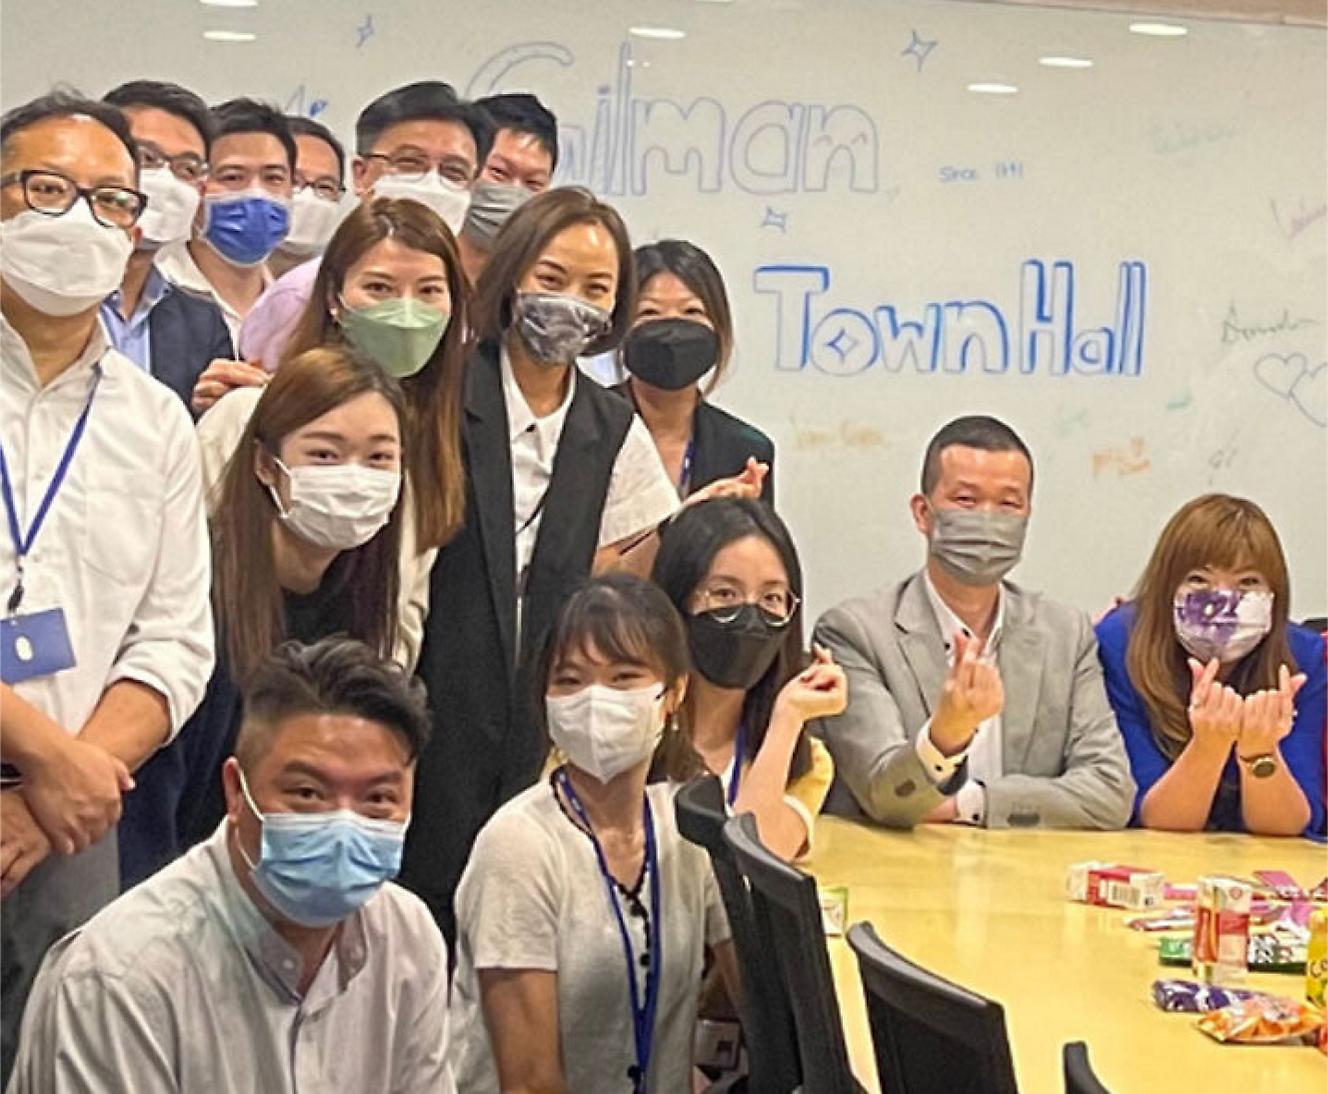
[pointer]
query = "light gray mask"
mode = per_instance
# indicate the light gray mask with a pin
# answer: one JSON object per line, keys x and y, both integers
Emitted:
{"x": 491, "y": 203}
{"x": 977, "y": 546}
{"x": 555, "y": 328}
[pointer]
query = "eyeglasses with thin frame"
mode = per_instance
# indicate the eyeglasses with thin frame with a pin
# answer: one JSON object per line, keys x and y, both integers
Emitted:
{"x": 413, "y": 166}
{"x": 324, "y": 186}
{"x": 187, "y": 166}
{"x": 724, "y": 602}
{"x": 53, "y": 194}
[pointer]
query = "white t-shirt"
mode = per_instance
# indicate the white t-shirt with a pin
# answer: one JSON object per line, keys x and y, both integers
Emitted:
{"x": 533, "y": 897}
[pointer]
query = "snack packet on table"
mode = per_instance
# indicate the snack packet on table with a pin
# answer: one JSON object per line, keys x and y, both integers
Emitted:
{"x": 1192, "y": 998}
{"x": 1263, "y": 1020}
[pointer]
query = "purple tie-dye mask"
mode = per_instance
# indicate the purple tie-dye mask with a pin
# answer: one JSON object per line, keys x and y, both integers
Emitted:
{"x": 1222, "y": 623}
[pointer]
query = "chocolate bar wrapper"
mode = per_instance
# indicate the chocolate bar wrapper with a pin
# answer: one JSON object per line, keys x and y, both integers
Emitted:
{"x": 1189, "y": 997}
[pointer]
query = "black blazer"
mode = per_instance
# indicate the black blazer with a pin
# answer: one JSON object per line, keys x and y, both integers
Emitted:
{"x": 185, "y": 333}
{"x": 485, "y": 746}
{"x": 722, "y": 444}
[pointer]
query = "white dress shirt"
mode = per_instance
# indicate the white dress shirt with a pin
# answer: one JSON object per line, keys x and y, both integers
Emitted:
{"x": 183, "y": 987}
{"x": 640, "y": 494}
{"x": 124, "y": 548}
{"x": 180, "y": 269}
{"x": 984, "y": 750}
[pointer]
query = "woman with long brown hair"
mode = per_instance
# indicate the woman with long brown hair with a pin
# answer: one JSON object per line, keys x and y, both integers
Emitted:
{"x": 1220, "y": 698}
{"x": 390, "y": 284}
{"x": 306, "y": 536}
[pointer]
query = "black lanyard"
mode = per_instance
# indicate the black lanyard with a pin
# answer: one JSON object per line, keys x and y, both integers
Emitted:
{"x": 22, "y": 544}
{"x": 643, "y": 1011}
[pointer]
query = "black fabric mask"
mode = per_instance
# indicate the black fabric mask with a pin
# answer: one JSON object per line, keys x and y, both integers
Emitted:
{"x": 737, "y": 653}
{"x": 671, "y": 353}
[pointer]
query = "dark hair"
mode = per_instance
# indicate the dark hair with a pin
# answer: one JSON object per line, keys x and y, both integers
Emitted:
{"x": 170, "y": 98}
{"x": 522, "y": 112}
{"x": 695, "y": 269}
{"x": 973, "y": 431}
{"x": 66, "y": 103}
{"x": 332, "y": 676}
{"x": 434, "y": 395}
{"x": 519, "y": 244}
{"x": 251, "y": 116}
{"x": 623, "y": 618}
{"x": 687, "y": 550}
{"x": 429, "y": 101}
{"x": 301, "y": 126}
{"x": 246, "y": 595}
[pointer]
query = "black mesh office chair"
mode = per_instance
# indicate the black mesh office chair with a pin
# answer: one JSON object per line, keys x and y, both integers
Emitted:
{"x": 787, "y": 913}
{"x": 1079, "y": 1075}
{"x": 931, "y": 1036}
{"x": 767, "y": 1022}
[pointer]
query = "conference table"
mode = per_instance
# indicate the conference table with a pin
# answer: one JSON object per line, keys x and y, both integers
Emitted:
{"x": 987, "y": 910}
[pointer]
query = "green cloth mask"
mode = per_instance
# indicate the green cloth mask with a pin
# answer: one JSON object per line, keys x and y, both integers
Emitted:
{"x": 400, "y": 334}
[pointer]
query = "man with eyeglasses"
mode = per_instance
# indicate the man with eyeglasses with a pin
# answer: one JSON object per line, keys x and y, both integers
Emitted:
{"x": 320, "y": 167}
{"x": 419, "y": 142}
{"x": 245, "y": 213}
{"x": 170, "y": 333}
{"x": 106, "y": 639}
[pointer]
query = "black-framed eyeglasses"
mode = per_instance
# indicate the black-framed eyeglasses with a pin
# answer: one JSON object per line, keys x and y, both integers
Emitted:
{"x": 324, "y": 186}
{"x": 187, "y": 166}
{"x": 724, "y": 603}
{"x": 53, "y": 194}
{"x": 413, "y": 166}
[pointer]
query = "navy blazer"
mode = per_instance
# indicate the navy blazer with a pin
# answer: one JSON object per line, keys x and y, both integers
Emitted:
{"x": 185, "y": 333}
{"x": 721, "y": 444}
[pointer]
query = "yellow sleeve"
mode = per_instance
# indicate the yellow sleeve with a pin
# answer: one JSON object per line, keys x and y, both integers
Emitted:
{"x": 806, "y": 794}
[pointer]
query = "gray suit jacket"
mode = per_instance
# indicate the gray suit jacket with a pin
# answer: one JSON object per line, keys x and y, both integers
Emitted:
{"x": 1063, "y": 755}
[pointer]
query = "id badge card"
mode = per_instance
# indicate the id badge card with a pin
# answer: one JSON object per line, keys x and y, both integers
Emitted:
{"x": 34, "y": 645}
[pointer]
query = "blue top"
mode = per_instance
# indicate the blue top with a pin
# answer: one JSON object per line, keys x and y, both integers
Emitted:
{"x": 132, "y": 336}
{"x": 1302, "y": 748}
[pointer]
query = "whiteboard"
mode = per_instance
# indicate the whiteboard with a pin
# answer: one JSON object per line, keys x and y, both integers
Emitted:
{"x": 1125, "y": 262}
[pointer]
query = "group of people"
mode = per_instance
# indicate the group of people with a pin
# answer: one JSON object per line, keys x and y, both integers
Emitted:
{"x": 327, "y": 563}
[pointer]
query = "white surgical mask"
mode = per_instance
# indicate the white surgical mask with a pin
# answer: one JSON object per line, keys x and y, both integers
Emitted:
{"x": 605, "y": 731}
{"x": 447, "y": 199}
{"x": 172, "y": 205}
{"x": 312, "y": 222}
{"x": 62, "y": 265}
{"x": 338, "y": 506}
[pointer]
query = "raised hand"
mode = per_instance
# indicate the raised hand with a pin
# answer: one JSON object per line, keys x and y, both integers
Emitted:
{"x": 1215, "y": 710}
{"x": 818, "y": 691}
{"x": 973, "y": 692}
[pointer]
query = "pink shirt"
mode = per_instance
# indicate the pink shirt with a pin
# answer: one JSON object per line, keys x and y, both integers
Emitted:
{"x": 271, "y": 321}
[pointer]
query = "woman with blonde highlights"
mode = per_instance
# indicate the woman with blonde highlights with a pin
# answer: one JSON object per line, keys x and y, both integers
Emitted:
{"x": 1220, "y": 698}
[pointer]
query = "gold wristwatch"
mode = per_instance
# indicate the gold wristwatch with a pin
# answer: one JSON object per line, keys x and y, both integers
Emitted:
{"x": 1260, "y": 766}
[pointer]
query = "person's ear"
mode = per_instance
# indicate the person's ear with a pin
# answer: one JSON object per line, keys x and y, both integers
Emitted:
{"x": 265, "y": 465}
{"x": 359, "y": 171}
{"x": 674, "y": 699}
{"x": 923, "y": 518}
{"x": 236, "y": 806}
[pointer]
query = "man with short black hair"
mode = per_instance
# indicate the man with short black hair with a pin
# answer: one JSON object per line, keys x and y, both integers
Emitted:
{"x": 972, "y": 699}
{"x": 245, "y": 214}
{"x": 105, "y": 571}
{"x": 170, "y": 333}
{"x": 521, "y": 162}
{"x": 277, "y": 956}
{"x": 320, "y": 172}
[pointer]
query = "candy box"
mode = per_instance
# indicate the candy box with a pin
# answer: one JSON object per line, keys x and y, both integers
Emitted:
{"x": 1221, "y": 929}
{"x": 834, "y": 910}
{"x": 1114, "y": 886}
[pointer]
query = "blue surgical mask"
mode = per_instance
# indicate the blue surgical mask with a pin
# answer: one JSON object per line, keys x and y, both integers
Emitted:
{"x": 315, "y": 869}
{"x": 246, "y": 227}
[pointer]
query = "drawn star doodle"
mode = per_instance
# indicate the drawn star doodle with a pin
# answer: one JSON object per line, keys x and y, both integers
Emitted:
{"x": 365, "y": 30}
{"x": 919, "y": 48}
{"x": 775, "y": 219}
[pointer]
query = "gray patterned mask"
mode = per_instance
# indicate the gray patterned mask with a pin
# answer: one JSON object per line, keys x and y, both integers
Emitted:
{"x": 491, "y": 203}
{"x": 555, "y": 328}
{"x": 977, "y": 546}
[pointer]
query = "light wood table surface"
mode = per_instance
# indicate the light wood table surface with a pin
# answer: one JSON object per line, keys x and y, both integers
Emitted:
{"x": 988, "y": 911}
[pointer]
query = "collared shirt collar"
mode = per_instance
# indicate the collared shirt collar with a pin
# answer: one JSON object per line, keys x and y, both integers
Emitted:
{"x": 20, "y": 368}
{"x": 519, "y": 415}
{"x": 155, "y": 289}
{"x": 950, "y": 623}
{"x": 280, "y": 963}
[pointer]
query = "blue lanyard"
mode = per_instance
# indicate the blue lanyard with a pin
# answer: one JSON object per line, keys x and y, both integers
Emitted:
{"x": 685, "y": 477}
{"x": 22, "y": 544}
{"x": 737, "y": 763}
{"x": 643, "y": 1012}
